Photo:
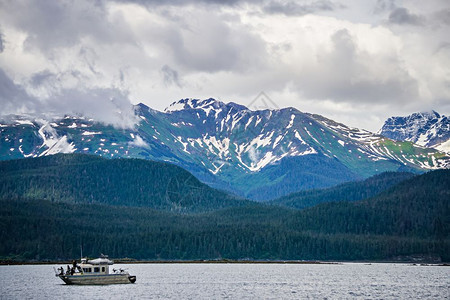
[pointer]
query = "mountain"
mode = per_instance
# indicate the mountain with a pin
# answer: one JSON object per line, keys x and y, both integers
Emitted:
{"x": 261, "y": 154}
{"x": 411, "y": 219}
{"x": 78, "y": 178}
{"x": 351, "y": 191}
{"x": 428, "y": 129}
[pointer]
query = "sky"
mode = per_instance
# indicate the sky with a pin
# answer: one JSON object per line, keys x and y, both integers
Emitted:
{"x": 356, "y": 62}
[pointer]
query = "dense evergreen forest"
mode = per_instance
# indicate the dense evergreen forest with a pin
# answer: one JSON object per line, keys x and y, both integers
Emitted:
{"x": 78, "y": 178}
{"x": 409, "y": 218}
{"x": 351, "y": 191}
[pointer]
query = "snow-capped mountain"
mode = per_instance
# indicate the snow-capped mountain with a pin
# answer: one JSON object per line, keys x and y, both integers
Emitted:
{"x": 428, "y": 129}
{"x": 260, "y": 154}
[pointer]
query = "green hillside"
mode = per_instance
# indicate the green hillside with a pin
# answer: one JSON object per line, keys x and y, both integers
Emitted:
{"x": 351, "y": 191}
{"x": 417, "y": 207}
{"x": 411, "y": 218}
{"x": 76, "y": 178}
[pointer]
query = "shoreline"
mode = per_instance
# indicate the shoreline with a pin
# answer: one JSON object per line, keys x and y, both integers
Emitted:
{"x": 225, "y": 261}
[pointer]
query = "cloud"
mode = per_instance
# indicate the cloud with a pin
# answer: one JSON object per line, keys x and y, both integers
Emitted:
{"x": 443, "y": 16}
{"x": 210, "y": 43}
{"x": 170, "y": 76}
{"x": 13, "y": 98}
{"x": 153, "y": 3}
{"x": 292, "y": 8}
{"x": 384, "y": 5}
{"x": 2, "y": 43}
{"x": 139, "y": 142}
{"x": 402, "y": 16}
{"x": 76, "y": 56}
{"x": 108, "y": 106}
{"x": 54, "y": 24}
{"x": 349, "y": 73}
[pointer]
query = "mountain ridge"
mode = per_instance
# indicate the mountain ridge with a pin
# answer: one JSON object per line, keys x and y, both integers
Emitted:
{"x": 428, "y": 129}
{"x": 261, "y": 154}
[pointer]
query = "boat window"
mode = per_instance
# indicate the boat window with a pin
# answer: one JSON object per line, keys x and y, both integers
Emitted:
{"x": 97, "y": 269}
{"x": 87, "y": 270}
{"x": 103, "y": 269}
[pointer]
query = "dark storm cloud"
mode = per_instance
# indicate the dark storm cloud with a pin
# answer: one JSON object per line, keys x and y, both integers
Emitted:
{"x": 402, "y": 16}
{"x": 13, "y": 98}
{"x": 170, "y": 76}
{"x": 53, "y": 24}
{"x": 292, "y": 8}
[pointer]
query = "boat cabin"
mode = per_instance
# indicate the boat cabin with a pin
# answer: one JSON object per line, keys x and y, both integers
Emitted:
{"x": 96, "y": 266}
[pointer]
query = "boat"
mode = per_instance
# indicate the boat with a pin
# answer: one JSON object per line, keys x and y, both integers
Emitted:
{"x": 94, "y": 271}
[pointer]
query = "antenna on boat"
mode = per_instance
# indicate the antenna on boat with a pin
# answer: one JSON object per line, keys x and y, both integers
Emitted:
{"x": 81, "y": 249}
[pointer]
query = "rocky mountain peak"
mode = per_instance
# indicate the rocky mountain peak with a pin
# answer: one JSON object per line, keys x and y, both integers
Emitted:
{"x": 206, "y": 104}
{"x": 429, "y": 129}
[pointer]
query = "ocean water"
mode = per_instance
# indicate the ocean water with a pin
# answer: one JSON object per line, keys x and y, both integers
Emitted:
{"x": 239, "y": 281}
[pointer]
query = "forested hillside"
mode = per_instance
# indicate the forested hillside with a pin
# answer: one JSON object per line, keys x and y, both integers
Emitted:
{"x": 76, "y": 178}
{"x": 418, "y": 207}
{"x": 411, "y": 218}
{"x": 351, "y": 191}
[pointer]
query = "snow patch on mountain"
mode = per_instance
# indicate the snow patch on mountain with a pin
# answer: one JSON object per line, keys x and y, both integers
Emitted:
{"x": 262, "y": 140}
{"x": 24, "y": 122}
{"x": 299, "y": 137}
{"x": 291, "y": 122}
{"x": 61, "y": 146}
{"x": 185, "y": 144}
{"x": 91, "y": 132}
{"x": 444, "y": 147}
{"x": 48, "y": 135}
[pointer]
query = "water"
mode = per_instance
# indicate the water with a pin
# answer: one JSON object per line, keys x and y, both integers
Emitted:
{"x": 239, "y": 281}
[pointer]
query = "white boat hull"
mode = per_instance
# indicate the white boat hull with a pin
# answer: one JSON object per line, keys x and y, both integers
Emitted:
{"x": 98, "y": 279}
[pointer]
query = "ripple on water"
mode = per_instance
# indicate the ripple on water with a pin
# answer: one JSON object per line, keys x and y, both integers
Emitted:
{"x": 239, "y": 281}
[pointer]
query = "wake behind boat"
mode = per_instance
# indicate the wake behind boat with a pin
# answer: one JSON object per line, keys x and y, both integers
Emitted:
{"x": 95, "y": 271}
